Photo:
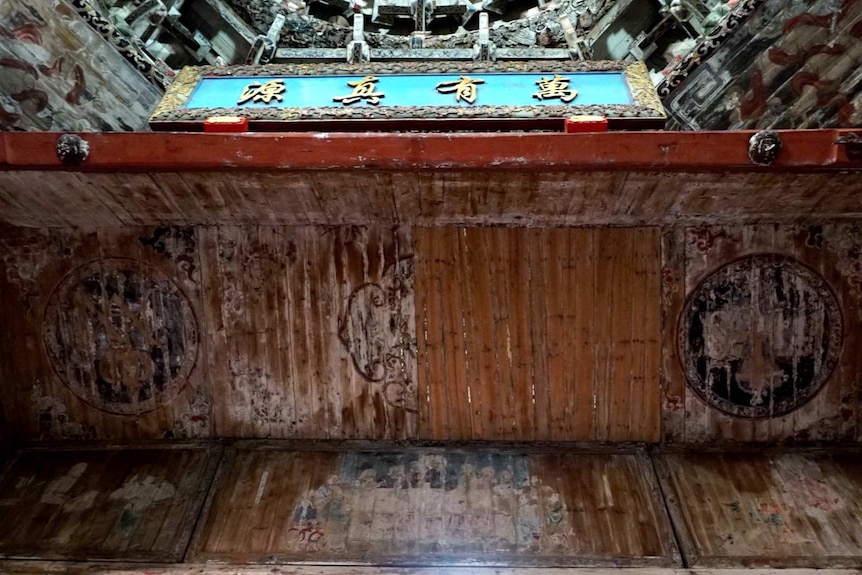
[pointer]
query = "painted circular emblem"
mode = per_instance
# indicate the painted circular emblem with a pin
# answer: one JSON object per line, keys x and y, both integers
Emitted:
{"x": 760, "y": 336}
{"x": 121, "y": 335}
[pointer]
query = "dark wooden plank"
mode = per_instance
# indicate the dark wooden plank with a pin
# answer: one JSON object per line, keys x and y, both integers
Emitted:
{"x": 132, "y": 504}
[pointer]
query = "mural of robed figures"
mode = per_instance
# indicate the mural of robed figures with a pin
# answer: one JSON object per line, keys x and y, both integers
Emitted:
{"x": 433, "y": 502}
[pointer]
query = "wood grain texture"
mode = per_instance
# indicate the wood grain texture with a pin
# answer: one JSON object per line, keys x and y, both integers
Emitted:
{"x": 132, "y": 504}
{"x": 768, "y": 509}
{"x": 447, "y": 507}
{"x": 312, "y": 331}
{"x": 829, "y": 253}
{"x": 551, "y": 197}
{"x": 101, "y": 334}
{"x": 538, "y": 334}
{"x": 47, "y": 567}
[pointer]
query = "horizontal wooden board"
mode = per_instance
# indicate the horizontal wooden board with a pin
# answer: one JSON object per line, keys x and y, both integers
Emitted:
{"x": 47, "y": 568}
{"x": 761, "y": 508}
{"x": 539, "y": 334}
{"x": 436, "y": 507}
{"x": 550, "y": 197}
{"x": 131, "y": 504}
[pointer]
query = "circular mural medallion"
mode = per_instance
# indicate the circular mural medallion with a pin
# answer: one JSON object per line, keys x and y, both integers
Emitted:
{"x": 120, "y": 335}
{"x": 760, "y": 336}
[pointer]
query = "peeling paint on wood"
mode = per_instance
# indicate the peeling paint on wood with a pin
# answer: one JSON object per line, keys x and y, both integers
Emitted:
{"x": 313, "y": 331}
{"x": 133, "y": 504}
{"x": 775, "y": 509}
{"x": 105, "y": 340}
{"x": 760, "y": 336}
{"x": 121, "y": 335}
{"x": 447, "y": 507}
{"x": 783, "y": 296}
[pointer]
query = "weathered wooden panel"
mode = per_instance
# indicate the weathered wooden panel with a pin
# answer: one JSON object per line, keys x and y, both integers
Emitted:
{"x": 312, "y": 331}
{"x": 56, "y": 73}
{"x": 527, "y": 198}
{"x": 131, "y": 504}
{"x": 766, "y": 339}
{"x": 101, "y": 336}
{"x": 765, "y": 508}
{"x": 436, "y": 507}
{"x": 113, "y": 568}
{"x": 539, "y": 334}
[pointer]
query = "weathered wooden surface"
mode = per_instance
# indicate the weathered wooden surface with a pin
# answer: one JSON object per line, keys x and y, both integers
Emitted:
{"x": 54, "y": 568}
{"x": 132, "y": 504}
{"x": 767, "y": 324}
{"x": 767, "y": 509}
{"x": 311, "y": 331}
{"x": 552, "y": 198}
{"x": 691, "y": 333}
{"x": 56, "y": 73}
{"x": 447, "y": 507}
{"x": 538, "y": 334}
{"x": 102, "y": 335}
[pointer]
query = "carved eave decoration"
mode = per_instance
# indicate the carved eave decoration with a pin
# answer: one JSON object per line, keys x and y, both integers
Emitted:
{"x": 706, "y": 46}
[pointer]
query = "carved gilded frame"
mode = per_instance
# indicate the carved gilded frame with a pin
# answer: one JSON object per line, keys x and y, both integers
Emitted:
{"x": 646, "y": 109}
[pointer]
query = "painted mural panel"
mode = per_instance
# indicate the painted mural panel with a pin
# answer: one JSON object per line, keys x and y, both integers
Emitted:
{"x": 56, "y": 73}
{"x": 760, "y": 336}
{"x": 102, "y": 334}
{"x": 132, "y": 504}
{"x": 315, "y": 331}
{"x": 142, "y": 336}
{"x": 765, "y": 335}
{"x": 776, "y": 509}
{"x": 447, "y": 507}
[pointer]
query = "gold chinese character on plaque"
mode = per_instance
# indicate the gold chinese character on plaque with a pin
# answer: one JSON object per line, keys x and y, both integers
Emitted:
{"x": 465, "y": 88}
{"x": 362, "y": 90}
{"x": 556, "y": 87}
{"x": 257, "y": 92}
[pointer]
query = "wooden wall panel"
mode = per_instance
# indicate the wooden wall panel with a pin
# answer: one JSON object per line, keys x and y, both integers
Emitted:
{"x": 548, "y": 334}
{"x": 766, "y": 508}
{"x": 774, "y": 330}
{"x": 437, "y": 507}
{"x": 312, "y": 331}
{"x": 102, "y": 334}
{"x": 134, "y": 504}
{"x": 533, "y": 197}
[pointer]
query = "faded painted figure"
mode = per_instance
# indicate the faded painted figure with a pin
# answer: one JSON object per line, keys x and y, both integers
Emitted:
{"x": 452, "y": 503}
{"x": 121, "y": 336}
{"x": 760, "y": 336}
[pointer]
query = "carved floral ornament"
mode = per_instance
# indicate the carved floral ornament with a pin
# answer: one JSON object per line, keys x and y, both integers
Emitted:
{"x": 760, "y": 336}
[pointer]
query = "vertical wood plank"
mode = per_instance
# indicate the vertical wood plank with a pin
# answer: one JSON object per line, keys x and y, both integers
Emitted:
{"x": 541, "y": 357}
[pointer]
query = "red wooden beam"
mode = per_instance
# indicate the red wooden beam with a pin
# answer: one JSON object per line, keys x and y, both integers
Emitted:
{"x": 813, "y": 150}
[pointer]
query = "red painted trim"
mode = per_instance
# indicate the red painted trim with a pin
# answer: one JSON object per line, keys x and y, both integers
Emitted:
{"x": 812, "y": 150}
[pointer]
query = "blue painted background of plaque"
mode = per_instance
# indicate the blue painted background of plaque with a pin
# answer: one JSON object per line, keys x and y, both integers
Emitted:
{"x": 414, "y": 90}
